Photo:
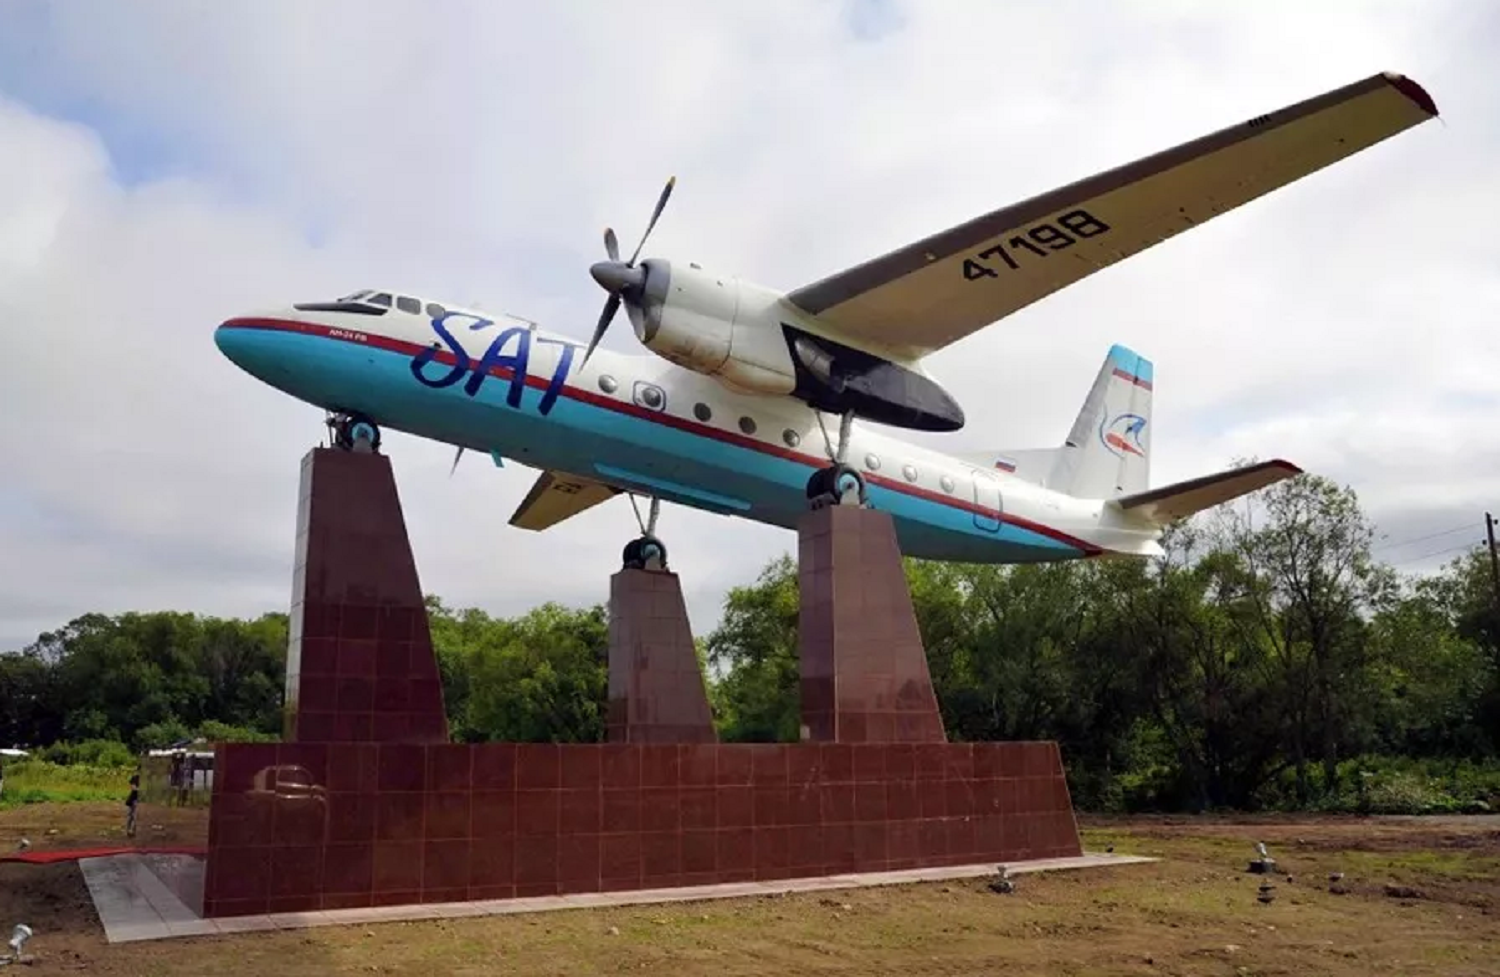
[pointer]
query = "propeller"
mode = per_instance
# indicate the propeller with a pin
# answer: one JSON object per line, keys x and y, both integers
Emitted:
{"x": 458, "y": 455}
{"x": 622, "y": 279}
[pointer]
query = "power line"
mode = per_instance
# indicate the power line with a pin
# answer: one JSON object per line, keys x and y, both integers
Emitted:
{"x": 1421, "y": 539}
{"x": 1428, "y": 556}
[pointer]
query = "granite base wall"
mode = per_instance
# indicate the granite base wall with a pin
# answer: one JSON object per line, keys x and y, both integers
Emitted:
{"x": 298, "y": 826}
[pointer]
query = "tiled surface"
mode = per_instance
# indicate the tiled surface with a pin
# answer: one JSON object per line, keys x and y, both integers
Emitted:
{"x": 360, "y": 665}
{"x": 110, "y": 896}
{"x": 135, "y": 904}
{"x": 656, "y": 689}
{"x": 302, "y": 827}
{"x": 864, "y": 669}
{"x": 176, "y": 792}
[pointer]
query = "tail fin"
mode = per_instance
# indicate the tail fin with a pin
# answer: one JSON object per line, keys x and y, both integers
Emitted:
{"x": 1108, "y": 452}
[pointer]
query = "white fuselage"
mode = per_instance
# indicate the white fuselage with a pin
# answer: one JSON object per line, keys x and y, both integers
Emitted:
{"x": 643, "y": 424}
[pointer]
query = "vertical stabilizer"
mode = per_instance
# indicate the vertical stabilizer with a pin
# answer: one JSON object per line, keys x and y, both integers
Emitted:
{"x": 1108, "y": 452}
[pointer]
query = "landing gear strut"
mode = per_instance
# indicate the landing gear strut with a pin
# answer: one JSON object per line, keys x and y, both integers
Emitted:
{"x": 646, "y": 552}
{"x": 840, "y": 483}
{"x": 353, "y": 432}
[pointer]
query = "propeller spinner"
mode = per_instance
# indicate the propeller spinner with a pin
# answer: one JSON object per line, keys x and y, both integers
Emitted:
{"x": 623, "y": 280}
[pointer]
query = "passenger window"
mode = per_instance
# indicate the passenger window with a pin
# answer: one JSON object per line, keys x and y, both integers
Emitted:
{"x": 435, "y": 310}
{"x": 383, "y": 298}
{"x": 408, "y": 304}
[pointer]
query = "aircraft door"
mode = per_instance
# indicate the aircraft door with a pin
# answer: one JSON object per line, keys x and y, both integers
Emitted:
{"x": 987, "y": 498}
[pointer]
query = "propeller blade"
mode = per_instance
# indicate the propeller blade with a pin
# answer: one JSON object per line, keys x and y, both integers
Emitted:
{"x": 611, "y": 244}
{"x": 457, "y": 456}
{"x": 661, "y": 203}
{"x": 607, "y": 316}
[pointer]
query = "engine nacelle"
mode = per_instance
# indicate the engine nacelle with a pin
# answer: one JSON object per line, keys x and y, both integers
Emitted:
{"x": 747, "y": 338}
{"x": 715, "y": 326}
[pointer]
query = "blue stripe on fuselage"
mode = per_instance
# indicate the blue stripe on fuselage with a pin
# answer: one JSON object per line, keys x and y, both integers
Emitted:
{"x": 577, "y": 435}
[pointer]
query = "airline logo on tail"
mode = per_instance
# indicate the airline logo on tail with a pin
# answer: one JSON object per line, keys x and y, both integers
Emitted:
{"x": 1123, "y": 435}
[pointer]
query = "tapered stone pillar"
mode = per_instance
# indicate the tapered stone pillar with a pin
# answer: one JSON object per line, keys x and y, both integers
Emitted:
{"x": 656, "y": 688}
{"x": 864, "y": 670}
{"x": 360, "y": 665}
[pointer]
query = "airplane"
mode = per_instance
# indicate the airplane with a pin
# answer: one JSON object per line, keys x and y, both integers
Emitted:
{"x": 728, "y": 410}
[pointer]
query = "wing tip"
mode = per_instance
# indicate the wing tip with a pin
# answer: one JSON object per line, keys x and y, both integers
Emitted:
{"x": 1413, "y": 91}
{"x": 1284, "y": 465}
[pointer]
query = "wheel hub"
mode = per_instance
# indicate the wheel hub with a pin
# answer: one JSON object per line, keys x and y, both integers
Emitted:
{"x": 354, "y": 432}
{"x": 836, "y": 485}
{"x": 645, "y": 553}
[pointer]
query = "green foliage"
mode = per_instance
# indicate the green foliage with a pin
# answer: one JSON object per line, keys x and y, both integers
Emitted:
{"x": 89, "y": 753}
{"x": 541, "y": 678}
{"x": 213, "y": 731}
{"x": 1242, "y": 669}
{"x": 755, "y": 650}
{"x": 159, "y": 735}
{"x": 143, "y": 679}
{"x": 35, "y": 781}
{"x": 1405, "y": 785}
{"x": 1265, "y": 660}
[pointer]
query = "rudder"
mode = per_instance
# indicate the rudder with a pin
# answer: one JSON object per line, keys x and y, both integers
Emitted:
{"x": 1108, "y": 451}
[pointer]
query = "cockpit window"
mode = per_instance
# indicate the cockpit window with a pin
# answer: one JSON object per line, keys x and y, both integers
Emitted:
{"x": 358, "y": 302}
{"x": 380, "y": 298}
{"x": 435, "y": 310}
{"x": 408, "y": 305}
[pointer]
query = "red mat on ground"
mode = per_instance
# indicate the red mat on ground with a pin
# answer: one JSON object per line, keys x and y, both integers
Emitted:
{"x": 49, "y": 856}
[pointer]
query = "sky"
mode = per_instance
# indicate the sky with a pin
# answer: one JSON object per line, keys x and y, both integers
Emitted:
{"x": 167, "y": 165}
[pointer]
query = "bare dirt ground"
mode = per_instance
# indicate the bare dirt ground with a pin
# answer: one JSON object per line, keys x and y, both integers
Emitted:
{"x": 1194, "y": 913}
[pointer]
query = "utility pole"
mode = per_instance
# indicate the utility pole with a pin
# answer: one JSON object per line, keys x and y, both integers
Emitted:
{"x": 1489, "y": 529}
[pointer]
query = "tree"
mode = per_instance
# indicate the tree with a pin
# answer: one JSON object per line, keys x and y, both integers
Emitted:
{"x": 540, "y": 679}
{"x": 1313, "y": 584}
{"x": 755, "y": 647}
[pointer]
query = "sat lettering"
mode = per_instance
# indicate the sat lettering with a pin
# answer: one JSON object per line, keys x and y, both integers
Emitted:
{"x": 508, "y": 357}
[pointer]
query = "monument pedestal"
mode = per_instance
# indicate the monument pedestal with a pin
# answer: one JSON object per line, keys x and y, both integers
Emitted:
{"x": 656, "y": 688}
{"x": 365, "y": 804}
{"x": 360, "y": 665}
{"x": 864, "y": 670}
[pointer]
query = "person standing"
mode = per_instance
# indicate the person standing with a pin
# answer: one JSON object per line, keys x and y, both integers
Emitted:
{"x": 131, "y": 801}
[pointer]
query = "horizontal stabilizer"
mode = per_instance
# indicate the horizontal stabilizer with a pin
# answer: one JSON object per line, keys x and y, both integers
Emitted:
{"x": 1178, "y": 501}
{"x": 557, "y": 496}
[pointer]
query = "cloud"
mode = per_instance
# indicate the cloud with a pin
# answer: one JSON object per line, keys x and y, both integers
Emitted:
{"x": 167, "y": 167}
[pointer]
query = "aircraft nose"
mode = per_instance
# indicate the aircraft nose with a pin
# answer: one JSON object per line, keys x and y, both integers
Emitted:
{"x": 231, "y": 337}
{"x": 247, "y": 347}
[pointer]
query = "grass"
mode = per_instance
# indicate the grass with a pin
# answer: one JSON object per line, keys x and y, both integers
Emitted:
{"x": 33, "y": 781}
{"x": 1193, "y": 913}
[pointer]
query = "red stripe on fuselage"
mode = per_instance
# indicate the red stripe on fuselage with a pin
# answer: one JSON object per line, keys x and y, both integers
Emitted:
{"x": 446, "y": 357}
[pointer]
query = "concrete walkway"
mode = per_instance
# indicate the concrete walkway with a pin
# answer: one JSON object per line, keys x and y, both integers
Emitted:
{"x": 134, "y": 904}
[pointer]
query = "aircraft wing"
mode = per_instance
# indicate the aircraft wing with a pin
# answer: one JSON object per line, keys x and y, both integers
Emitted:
{"x": 556, "y": 496}
{"x": 940, "y": 289}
